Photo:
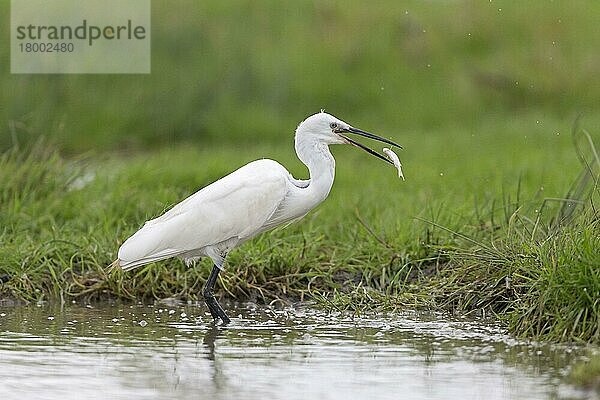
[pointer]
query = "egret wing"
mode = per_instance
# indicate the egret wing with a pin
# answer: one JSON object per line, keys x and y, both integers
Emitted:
{"x": 235, "y": 206}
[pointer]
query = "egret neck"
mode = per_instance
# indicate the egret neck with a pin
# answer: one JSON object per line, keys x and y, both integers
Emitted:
{"x": 315, "y": 154}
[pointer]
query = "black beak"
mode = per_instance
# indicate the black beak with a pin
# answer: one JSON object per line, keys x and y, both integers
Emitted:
{"x": 370, "y": 136}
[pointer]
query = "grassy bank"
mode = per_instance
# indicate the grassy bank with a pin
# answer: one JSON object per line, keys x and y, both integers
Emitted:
{"x": 464, "y": 237}
{"x": 482, "y": 95}
{"x": 535, "y": 264}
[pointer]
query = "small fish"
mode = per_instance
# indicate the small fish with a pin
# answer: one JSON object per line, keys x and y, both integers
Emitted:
{"x": 394, "y": 158}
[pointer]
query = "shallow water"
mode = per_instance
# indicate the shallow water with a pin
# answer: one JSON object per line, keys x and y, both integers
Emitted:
{"x": 174, "y": 352}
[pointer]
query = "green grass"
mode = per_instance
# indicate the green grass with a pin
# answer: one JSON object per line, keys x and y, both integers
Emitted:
{"x": 367, "y": 246}
{"x": 545, "y": 286}
{"x": 482, "y": 95}
{"x": 533, "y": 263}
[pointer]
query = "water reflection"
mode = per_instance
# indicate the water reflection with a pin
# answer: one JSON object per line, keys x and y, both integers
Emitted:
{"x": 175, "y": 352}
{"x": 210, "y": 337}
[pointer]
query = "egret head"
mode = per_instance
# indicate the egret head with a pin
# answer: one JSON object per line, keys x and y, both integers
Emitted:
{"x": 330, "y": 130}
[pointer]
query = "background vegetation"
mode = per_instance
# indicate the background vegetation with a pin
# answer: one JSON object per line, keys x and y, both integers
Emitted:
{"x": 483, "y": 96}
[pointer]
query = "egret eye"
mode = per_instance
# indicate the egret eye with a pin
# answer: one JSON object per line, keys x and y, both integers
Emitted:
{"x": 333, "y": 125}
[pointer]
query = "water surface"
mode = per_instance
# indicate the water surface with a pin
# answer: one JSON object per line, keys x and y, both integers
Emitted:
{"x": 175, "y": 352}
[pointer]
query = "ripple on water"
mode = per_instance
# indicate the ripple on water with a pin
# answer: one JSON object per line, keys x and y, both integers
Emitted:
{"x": 174, "y": 351}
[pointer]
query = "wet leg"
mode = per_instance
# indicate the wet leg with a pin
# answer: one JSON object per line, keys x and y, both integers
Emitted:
{"x": 213, "y": 305}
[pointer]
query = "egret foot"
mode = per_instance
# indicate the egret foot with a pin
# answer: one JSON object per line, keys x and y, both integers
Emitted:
{"x": 209, "y": 298}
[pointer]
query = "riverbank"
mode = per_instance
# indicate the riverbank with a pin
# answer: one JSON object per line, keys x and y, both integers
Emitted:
{"x": 457, "y": 236}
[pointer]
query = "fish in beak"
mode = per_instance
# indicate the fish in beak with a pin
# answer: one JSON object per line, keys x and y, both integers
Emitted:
{"x": 360, "y": 132}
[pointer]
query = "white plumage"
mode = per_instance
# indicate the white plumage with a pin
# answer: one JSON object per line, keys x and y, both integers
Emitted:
{"x": 253, "y": 199}
{"x": 213, "y": 220}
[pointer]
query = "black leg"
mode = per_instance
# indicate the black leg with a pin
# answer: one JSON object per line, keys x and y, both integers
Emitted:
{"x": 213, "y": 306}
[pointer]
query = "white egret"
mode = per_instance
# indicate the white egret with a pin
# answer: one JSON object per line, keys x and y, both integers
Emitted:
{"x": 253, "y": 199}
